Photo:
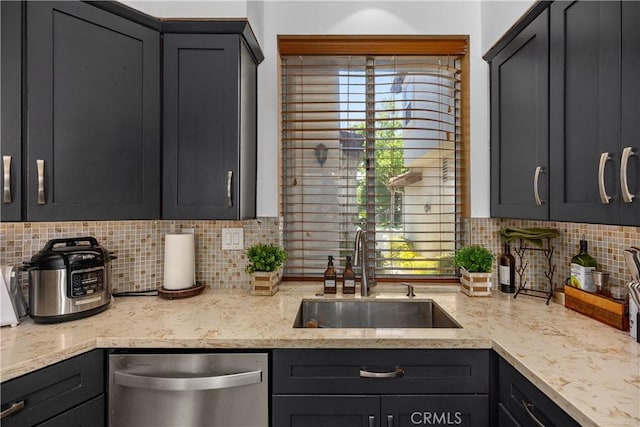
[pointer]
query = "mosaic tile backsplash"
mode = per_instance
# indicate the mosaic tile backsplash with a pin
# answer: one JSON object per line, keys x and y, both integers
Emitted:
{"x": 139, "y": 246}
{"x": 606, "y": 244}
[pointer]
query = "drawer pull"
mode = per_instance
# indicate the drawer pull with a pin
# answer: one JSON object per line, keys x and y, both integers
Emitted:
{"x": 604, "y": 197}
{"x": 372, "y": 421}
{"x": 6, "y": 192}
{"x": 528, "y": 407}
{"x": 15, "y": 407}
{"x": 389, "y": 420}
{"x": 398, "y": 372}
{"x": 626, "y": 194}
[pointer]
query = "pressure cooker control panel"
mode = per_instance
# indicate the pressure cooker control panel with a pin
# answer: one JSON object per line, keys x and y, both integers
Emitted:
{"x": 86, "y": 282}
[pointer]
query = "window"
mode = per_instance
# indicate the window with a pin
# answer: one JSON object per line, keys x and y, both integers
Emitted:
{"x": 372, "y": 140}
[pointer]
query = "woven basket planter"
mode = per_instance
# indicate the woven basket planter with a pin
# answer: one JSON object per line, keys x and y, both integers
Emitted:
{"x": 475, "y": 284}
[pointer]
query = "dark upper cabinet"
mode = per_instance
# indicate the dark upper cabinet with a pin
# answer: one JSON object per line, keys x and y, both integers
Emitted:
{"x": 630, "y": 114}
{"x": 11, "y": 110}
{"x": 93, "y": 115}
{"x": 581, "y": 102}
{"x": 594, "y": 129}
{"x": 520, "y": 125}
{"x": 210, "y": 133}
{"x": 585, "y": 111}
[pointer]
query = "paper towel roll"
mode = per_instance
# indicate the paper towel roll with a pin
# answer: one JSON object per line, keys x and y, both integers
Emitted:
{"x": 179, "y": 261}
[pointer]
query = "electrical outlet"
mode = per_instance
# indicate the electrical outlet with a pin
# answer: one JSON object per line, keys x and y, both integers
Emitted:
{"x": 232, "y": 239}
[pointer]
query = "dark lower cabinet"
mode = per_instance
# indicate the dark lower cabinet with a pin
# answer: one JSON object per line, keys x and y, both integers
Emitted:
{"x": 92, "y": 116}
{"x": 390, "y": 411}
{"x": 394, "y": 388}
{"x": 523, "y": 404}
{"x": 67, "y": 394}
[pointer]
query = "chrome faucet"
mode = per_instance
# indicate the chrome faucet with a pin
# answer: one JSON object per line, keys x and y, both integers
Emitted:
{"x": 361, "y": 258}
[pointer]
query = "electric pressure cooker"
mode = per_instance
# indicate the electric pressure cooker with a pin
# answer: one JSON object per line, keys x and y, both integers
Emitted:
{"x": 69, "y": 279}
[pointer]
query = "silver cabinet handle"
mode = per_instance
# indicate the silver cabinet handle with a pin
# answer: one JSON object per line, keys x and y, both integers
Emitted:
{"x": 372, "y": 421}
{"x": 41, "y": 199}
{"x": 6, "y": 187}
{"x": 389, "y": 420}
{"x": 187, "y": 383}
{"x": 229, "y": 179}
{"x": 15, "y": 407}
{"x": 527, "y": 407}
{"x": 604, "y": 197}
{"x": 624, "y": 184}
{"x": 536, "y": 179}
{"x": 398, "y": 372}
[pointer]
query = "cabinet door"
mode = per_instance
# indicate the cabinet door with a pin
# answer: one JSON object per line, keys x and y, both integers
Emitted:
{"x": 630, "y": 130}
{"x": 54, "y": 389}
{"x": 435, "y": 410}
{"x": 87, "y": 414}
{"x": 201, "y": 126}
{"x": 520, "y": 125}
{"x": 525, "y": 403}
{"x": 585, "y": 110}
{"x": 93, "y": 115}
{"x": 325, "y": 411}
{"x": 11, "y": 111}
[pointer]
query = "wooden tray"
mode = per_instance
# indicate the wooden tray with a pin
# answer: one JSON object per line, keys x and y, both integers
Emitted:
{"x": 604, "y": 309}
{"x": 181, "y": 293}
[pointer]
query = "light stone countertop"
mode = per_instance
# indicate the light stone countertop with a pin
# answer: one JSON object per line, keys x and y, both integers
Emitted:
{"x": 589, "y": 369}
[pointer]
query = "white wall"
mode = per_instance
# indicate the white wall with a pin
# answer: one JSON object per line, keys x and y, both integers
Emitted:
{"x": 497, "y": 16}
{"x": 484, "y": 21}
{"x": 368, "y": 17}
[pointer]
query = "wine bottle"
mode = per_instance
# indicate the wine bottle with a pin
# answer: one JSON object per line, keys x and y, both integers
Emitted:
{"x": 581, "y": 267}
{"x": 330, "y": 278}
{"x": 507, "y": 270}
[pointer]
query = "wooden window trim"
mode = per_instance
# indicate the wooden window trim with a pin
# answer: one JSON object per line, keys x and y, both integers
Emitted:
{"x": 372, "y": 45}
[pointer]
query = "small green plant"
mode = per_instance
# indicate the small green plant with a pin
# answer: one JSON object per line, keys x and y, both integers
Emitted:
{"x": 474, "y": 259}
{"x": 265, "y": 257}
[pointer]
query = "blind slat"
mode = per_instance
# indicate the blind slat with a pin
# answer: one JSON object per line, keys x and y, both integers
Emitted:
{"x": 371, "y": 142}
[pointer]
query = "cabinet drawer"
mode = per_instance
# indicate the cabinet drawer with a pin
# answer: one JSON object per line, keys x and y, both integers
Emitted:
{"x": 88, "y": 414}
{"x": 516, "y": 392}
{"x": 339, "y": 371}
{"x": 54, "y": 389}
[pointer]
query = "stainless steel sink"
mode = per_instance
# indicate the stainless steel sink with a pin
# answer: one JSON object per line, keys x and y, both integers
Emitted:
{"x": 373, "y": 314}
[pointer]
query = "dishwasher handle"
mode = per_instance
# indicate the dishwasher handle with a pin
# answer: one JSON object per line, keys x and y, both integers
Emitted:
{"x": 177, "y": 383}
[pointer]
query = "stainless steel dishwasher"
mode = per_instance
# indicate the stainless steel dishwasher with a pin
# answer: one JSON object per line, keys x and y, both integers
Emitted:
{"x": 189, "y": 390}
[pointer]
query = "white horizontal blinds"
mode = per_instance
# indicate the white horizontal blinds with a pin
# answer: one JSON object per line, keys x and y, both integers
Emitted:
{"x": 371, "y": 142}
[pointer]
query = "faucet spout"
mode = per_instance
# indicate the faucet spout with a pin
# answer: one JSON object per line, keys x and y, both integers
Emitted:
{"x": 361, "y": 258}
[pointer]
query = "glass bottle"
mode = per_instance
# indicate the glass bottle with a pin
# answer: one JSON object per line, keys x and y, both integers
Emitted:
{"x": 348, "y": 278}
{"x": 507, "y": 270}
{"x": 330, "y": 278}
{"x": 581, "y": 267}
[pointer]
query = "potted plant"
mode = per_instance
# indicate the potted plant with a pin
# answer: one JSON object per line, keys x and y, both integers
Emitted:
{"x": 265, "y": 262}
{"x": 476, "y": 263}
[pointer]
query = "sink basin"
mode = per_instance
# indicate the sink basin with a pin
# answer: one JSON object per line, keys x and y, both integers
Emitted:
{"x": 373, "y": 314}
